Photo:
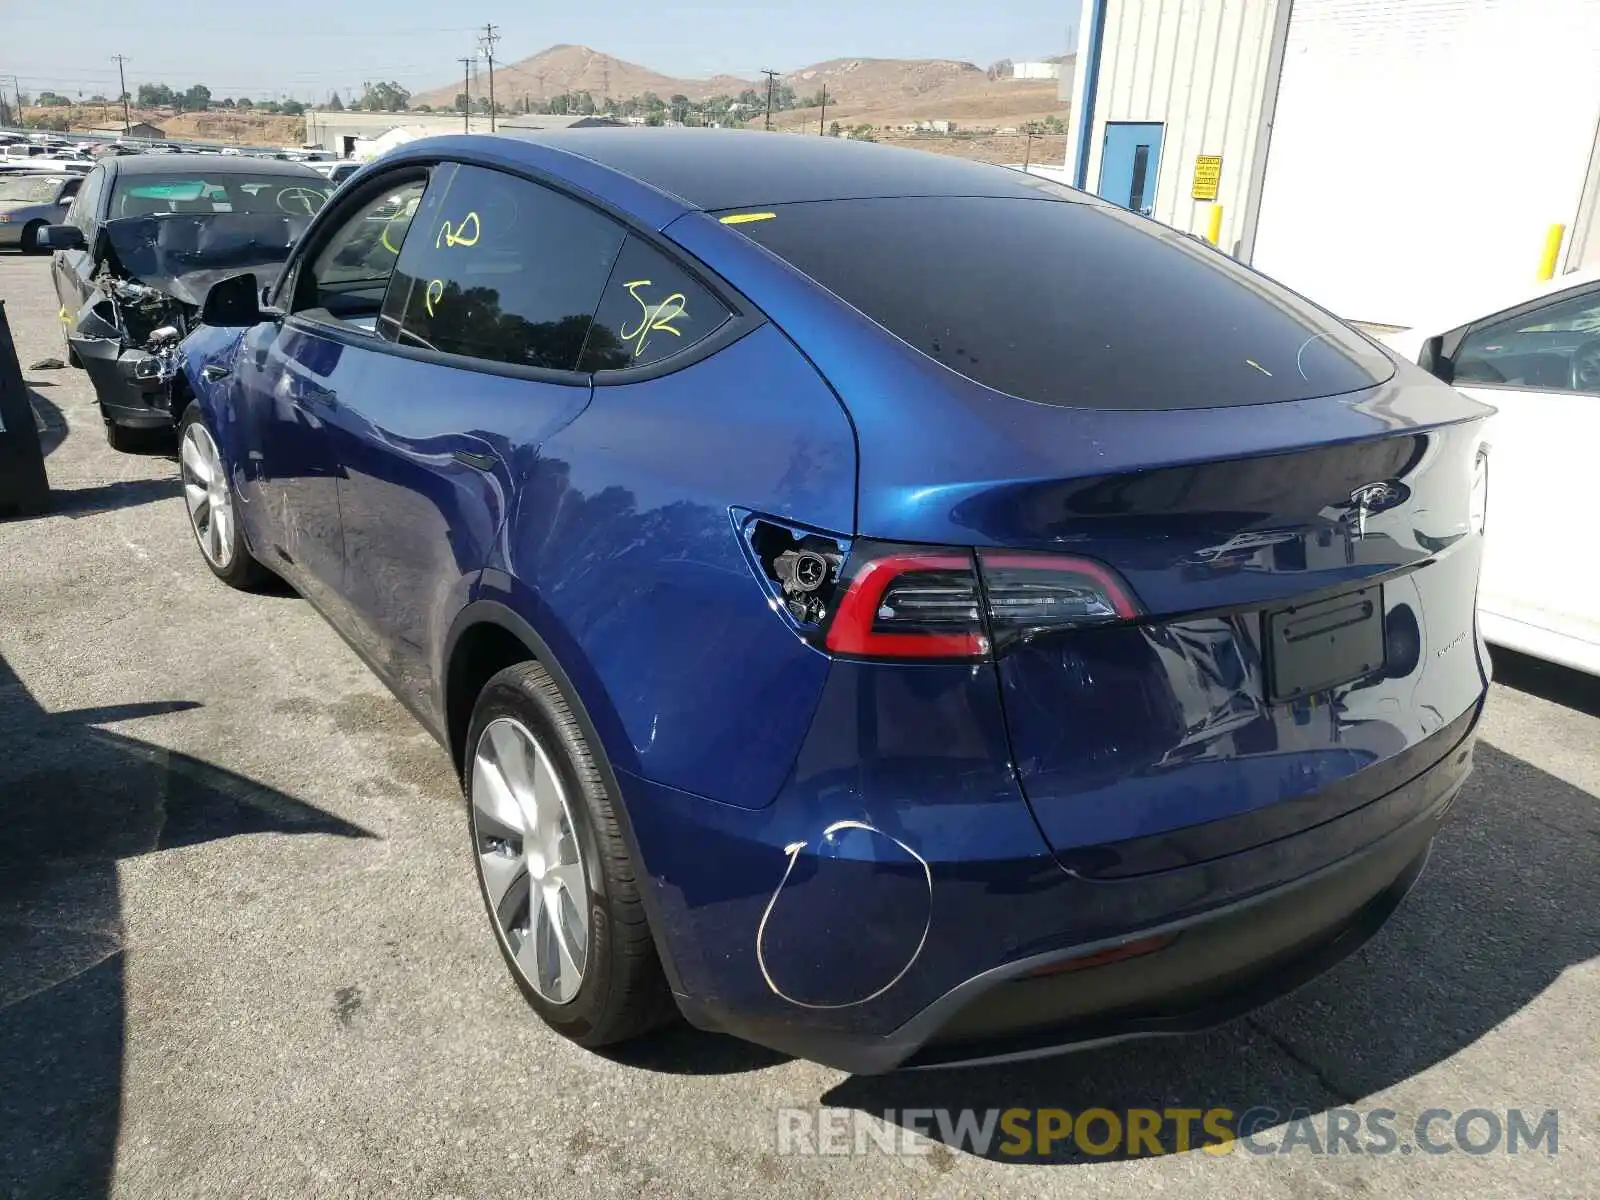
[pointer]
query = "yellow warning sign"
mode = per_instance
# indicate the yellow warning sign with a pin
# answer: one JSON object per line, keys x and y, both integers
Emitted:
{"x": 1207, "y": 174}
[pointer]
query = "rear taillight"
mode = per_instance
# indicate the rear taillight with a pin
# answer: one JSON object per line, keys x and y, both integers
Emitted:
{"x": 1031, "y": 594}
{"x": 909, "y": 602}
{"x": 903, "y": 601}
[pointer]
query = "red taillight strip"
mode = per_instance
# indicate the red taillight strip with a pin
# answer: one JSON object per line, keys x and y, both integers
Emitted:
{"x": 1115, "y": 590}
{"x": 851, "y": 631}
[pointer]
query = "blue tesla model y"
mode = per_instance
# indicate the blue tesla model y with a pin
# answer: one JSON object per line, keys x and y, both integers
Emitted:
{"x": 892, "y": 609}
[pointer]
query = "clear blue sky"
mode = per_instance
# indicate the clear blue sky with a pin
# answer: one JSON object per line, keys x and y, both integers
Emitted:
{"x": 306, "y": 48}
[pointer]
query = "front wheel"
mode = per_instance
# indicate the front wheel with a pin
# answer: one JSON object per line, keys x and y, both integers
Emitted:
{"x": 561, "y": 890}
{"x": 30, "y": 238}
{"x": 213, "y": 510}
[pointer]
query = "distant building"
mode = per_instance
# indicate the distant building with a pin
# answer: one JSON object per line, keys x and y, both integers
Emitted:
{"x": 1036, "y": 70}
{"x": 139, "y": 129}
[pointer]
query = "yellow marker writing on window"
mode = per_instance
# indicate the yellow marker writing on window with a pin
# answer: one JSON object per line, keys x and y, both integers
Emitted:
{"x": 459, "y": 236}
{"x": 654, "y": 316}
{"x": 433, "y": 294}
{"x": 746, "y": 218}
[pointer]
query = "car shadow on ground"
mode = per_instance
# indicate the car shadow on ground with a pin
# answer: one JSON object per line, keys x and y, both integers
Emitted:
{"x": 74, "y": 799}
{"x": 1549, "y": 681}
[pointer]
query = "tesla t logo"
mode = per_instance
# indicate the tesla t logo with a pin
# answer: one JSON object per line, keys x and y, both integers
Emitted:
{"x": 1373, "y": 498}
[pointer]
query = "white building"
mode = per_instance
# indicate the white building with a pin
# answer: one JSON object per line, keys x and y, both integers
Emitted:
{"x": 1035, "y": 70}
{"x": 1376, "y": 155}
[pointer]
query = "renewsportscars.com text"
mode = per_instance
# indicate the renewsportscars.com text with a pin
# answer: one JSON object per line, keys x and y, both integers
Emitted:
{"x": 1042, "y": 1133}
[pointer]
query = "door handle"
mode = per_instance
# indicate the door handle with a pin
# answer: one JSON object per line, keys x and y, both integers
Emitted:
{"x": 479, "y": 462}
{"x": 212, "y": 372}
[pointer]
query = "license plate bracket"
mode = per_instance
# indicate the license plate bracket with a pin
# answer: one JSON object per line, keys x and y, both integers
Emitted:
{"x": 1312, "y": 647}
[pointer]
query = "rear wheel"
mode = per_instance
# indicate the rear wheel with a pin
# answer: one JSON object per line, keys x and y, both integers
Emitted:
{"x": 560, "y": 888}
{"x": 30, "y": 238}
{"x": 213, "y": 511}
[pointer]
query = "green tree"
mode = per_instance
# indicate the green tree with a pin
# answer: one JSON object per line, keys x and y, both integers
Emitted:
{"x": 97, "y": 98}
{"x": 246, "y": 104}
{"x": 156, "y": 95}
{"x": 833, "y": 129}
{"x": 335, "y": 104}
{"x": 680, "y": 108}
{"x": 427, "y": 108}
{"x": 462, "y": 101}
{"x": 863, "y": 133}
{"x": 655, "y": 118}
{"x": 292, "y": 108}
{"x": 52, "y": 100}
{"x": 586, "y": 106}
{"x": 196, "y": 99}
{"x": 270, "y": 106}
{"x": 383, "y": 97}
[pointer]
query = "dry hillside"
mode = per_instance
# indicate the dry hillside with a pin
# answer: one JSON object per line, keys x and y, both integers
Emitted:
{"x": 566, "y": 68}
{"x": 218, "y": 125}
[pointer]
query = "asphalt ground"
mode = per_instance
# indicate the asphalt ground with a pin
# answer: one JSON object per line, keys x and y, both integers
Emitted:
{"x": 241, "y": 951}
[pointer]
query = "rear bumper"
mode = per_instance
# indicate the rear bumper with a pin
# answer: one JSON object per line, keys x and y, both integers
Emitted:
{"x": 1275, "y": 942}
{"x": 1243, "y": 929}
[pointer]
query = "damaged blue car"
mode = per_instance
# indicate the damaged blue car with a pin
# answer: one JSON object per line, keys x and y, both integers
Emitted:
{"x": 891, "y": 609}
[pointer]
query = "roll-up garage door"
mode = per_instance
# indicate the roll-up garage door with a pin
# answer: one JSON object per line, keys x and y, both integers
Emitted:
{"x": 1421, "y": 149}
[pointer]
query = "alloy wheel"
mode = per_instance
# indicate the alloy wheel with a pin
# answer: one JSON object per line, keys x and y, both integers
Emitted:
{"x": 205, "y": 491}
{"x": 529, "y": 859}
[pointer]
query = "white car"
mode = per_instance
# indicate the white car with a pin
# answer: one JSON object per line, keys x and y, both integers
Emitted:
{"x": 1535, "y": 355}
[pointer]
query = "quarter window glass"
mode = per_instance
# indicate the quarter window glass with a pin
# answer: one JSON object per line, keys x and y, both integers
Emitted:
{"x": 81, "y": 213}
{"x": 506, "y": 271}
{"x": 652, "y": 309}
{"x": 1555, "y": 348}
{"x": 351, "y": 272}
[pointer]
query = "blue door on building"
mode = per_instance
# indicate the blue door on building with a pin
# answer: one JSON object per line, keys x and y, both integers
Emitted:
{"x": 1129, "y": 163}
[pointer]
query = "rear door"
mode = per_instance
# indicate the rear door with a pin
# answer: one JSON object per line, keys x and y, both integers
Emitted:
{"x": 1539, "y": 365}
{"x": 482, "y": 329}
{"x": 70, "y": 269}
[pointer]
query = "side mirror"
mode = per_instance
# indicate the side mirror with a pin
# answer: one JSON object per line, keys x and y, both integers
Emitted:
{"x": 1433, "y": 361}
{"x": 62, "y": 237}
{"x": 233, "y": 303}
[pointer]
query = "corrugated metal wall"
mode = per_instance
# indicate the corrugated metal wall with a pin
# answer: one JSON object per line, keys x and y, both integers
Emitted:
{"x": 1201, "y": 68}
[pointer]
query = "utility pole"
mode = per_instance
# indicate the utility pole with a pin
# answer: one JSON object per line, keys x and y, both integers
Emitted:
{"x": 821, "y": 121}
{"x": 490, "y": 37}
{"x": 605, "y": 83}
{"x": 127, "y": 118}
{"x": 771, "y": 76}
{"x": 466, "y": 86}
{"x": 1027, "y": 159}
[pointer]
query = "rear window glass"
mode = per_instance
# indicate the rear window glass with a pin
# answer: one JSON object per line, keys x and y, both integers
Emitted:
{"x": 145, "y": 195}
{"x": 1081, "y": 305}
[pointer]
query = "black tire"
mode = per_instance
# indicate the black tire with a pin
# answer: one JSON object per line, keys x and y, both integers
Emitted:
{"x": 243, "y": 571}
{"x": 623, "y": 993}
{"x": 30, "y": 238}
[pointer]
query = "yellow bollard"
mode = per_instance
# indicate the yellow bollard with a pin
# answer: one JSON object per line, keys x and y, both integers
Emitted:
{"x": 1214, "y": 230}
{"x": 1552, "y": 251}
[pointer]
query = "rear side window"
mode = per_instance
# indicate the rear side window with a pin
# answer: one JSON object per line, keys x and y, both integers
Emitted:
{"x": 1068, "y": 303}
{"x": 504, "y": 270}
{"x": 82, "y": 213}
{"x": 652, "y": 309}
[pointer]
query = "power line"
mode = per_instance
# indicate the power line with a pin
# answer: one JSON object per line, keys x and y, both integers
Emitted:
{"x": 490, "y": 37}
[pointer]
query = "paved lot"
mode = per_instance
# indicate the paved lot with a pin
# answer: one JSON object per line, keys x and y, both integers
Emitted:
{"x": 241, "y": 954}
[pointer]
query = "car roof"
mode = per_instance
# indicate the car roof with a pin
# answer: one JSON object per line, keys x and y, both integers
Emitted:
{"x": 725, "y": 168}
{"x": 164, "y": 164}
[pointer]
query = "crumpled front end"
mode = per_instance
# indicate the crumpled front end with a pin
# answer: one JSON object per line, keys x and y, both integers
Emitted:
{"x": 127, "y": 339}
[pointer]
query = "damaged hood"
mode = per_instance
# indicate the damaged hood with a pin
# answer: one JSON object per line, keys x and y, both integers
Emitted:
{"x": 185, "y": 254}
